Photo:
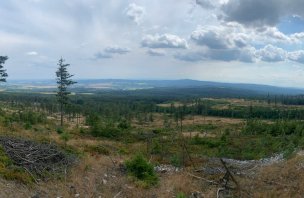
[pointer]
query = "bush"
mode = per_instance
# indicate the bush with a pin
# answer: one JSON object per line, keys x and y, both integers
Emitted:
{"x": 65, "y": 137}
{"x": 59, "y": 130}
{"x": 142, "y": 170}
{"x": 106, "y": 131}
{"x": 27, "y": 126}
{"x": 210, "y": 143}
{"x": 97, "y": 149}
{"x": 156, "y": 147}
{"x": 181, "y": 195}
{"x": 124, "y": 124}
{"x": 176, "y": 160}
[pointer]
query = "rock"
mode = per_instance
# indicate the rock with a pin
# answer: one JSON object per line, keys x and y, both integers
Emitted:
{"x": 122, "y": 168}
{"x": 166, "y": 169}
{"x": 197, "y": 195}
{"x": 77, "y": 195}
{"x": 73, "y": 189}
{"x": 36, "y": 196}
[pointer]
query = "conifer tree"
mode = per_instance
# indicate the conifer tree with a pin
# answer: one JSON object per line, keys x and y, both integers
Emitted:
{"x": 3, "y": 74}
{"x": 63, "y": 82}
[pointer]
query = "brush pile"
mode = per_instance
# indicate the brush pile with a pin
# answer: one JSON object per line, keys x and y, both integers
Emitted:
{"x": 38, "y": 159}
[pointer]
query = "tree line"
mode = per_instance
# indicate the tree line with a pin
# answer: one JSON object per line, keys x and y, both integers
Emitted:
{"x": 63, "y": 82}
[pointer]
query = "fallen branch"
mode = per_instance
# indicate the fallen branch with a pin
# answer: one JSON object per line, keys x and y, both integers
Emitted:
{"x": 117, "y": 195}
{"x": 229, "y": 174}
{"x": 204, "y": 179}
{"x": 218, "y": 192}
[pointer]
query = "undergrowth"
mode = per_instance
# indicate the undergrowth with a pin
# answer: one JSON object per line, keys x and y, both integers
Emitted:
{"x": 143, "y": 172}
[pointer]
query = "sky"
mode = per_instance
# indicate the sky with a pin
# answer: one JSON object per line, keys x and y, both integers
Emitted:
{"x": 247, "y": 41}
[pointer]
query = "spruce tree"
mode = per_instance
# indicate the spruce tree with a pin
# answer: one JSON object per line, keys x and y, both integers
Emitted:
{"x": 3, "y": 74}
{"x": 63, "y": 82}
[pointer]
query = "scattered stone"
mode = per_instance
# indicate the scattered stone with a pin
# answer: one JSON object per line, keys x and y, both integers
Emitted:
{"x": 239, "y": 167}
{"x": 122, "y": 168}
{"x": 197, "y": 195}
{"x": 166, "y": 169}
{"x": 72, "y": 189}
{"x": 36, "y": 196}
{"x": 213, "y": 170}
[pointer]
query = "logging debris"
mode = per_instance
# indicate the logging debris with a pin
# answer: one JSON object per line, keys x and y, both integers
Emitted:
{"x": 40, "y": 160}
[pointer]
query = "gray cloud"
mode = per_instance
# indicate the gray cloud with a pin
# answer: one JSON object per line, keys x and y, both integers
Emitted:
{"x": 253, "y": 12}
{"x": 156, "y": 52}
{"x": 220, "y": 38}
{"x": 117, "y": 50}
{"x": 223, "y": 44}
{"x": 108, "y": 52}
{"x": 101, "y": 55}
{"x": 164, "y": 41}
{"x": 247, "y": 55}
{"x": 211, "y": 39}
{"x": 226, "y": 55}
{"x": 261, "y": 12}
{"x": 190, "y": 56}
{"x": 135, "y": 12}
{"x": 205, "y": 4}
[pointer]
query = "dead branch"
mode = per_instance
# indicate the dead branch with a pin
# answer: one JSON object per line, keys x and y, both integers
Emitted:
{"x": 204, "y": 179}
{"x": 37, "y": 159}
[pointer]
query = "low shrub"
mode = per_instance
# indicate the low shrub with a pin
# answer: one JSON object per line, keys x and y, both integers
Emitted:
{"x": 97, "y": 149}
{"x": 59, "y": 130}
{"x": 176, "y": 160}
{"x": 139, "y": 168}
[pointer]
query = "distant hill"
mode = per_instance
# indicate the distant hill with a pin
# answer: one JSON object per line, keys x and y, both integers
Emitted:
{"x": 95, "y": 85}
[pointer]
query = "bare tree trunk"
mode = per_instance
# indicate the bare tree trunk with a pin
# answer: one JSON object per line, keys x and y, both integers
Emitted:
{"x": 61, "y": 114}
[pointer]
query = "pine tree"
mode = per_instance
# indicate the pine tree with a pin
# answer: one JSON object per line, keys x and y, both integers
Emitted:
{"x": 3, "y": 74}
{"x": 63, "y": 82}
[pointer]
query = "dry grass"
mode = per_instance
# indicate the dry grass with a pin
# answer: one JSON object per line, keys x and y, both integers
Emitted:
{"x": 284, "y": 179}
{"x": 96, "y": 176}
{"x": 158, "y": 121}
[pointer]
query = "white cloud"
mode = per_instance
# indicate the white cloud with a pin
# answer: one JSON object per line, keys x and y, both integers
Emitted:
{"x": 164, "y": 41}
{"x": 271, "y": 53}
{"x": 135, "y": 13}
{"x": 75, "y": 29}
{"x": 297, "y": 56}
{"x": 297, "y": 36}
{"x": 32, "y": 53}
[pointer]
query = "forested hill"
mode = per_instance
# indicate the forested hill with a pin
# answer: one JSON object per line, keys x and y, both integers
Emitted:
{"x": 161, "y": 85}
